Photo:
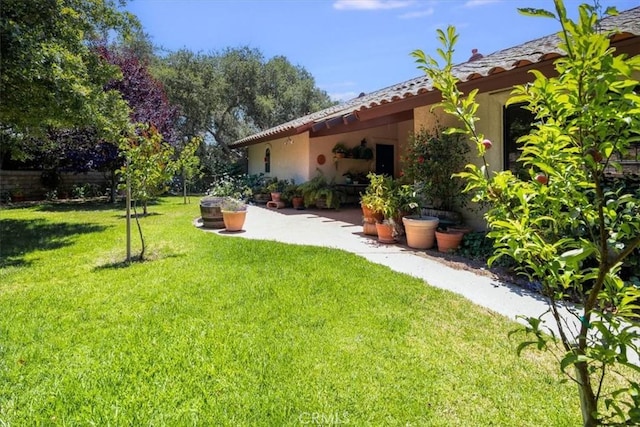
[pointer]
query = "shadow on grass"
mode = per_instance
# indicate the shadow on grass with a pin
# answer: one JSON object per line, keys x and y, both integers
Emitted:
{"x": 19, "y": 237}
{"x": 135, "y": 259}
{"x": 98, "y": 204}
{"x": 89, "y": 205}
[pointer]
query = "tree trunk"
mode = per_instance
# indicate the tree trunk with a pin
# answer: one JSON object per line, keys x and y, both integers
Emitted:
{"x": 184, "y": 188}
{"x": 113, "y": 191}
{"x": 588, "y": 403}
{"x": 135, "y": 213}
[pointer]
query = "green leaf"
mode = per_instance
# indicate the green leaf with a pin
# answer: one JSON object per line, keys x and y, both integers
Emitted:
{"x": 540, "y": 13}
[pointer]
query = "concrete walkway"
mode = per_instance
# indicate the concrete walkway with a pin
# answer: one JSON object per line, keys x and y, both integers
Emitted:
{"x": 343, "y": 230}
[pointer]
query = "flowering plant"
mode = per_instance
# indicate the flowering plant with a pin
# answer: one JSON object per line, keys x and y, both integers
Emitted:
{"x": 231, "y": 204}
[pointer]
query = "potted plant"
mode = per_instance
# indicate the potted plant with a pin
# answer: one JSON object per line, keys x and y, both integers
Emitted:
{"x": 258, "y": 185}
{"x": 276, "y": 186}
{"x": 419, "y": 229}
{"x": 293, "y": 194}
{"x": 432, "y": 158}
{"x": 234, "y": 212}
{"x": 320, "y": 192}
{"x": 449, "y": 239}
{"x": 367, "y": 201}
{"x": 339, "y": 150}
{"x": 381, "y": 196}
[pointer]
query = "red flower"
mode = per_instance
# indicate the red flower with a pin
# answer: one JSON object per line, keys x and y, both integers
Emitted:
{"x": 420, "y": 159}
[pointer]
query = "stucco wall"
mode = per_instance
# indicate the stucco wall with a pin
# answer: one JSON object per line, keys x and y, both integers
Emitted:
{"x": 490, "y": 113}
{"x": 289, "y": 158}
{"x": 394, "y": 134}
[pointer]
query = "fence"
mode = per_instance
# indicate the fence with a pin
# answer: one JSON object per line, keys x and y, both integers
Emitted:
{"x": 29, "y": 185}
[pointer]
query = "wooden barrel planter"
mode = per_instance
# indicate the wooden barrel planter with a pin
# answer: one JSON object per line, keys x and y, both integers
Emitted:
{"x": 211, "y": 213}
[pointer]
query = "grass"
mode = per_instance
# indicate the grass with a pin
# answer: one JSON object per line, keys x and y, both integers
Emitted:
{"x": 217, "y": 330}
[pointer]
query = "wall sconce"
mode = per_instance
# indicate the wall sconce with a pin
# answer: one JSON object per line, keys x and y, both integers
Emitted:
{"x": 288, "y": 141}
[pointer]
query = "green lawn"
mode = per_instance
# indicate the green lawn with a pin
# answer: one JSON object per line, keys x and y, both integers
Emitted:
{"x": 216, "y": 330}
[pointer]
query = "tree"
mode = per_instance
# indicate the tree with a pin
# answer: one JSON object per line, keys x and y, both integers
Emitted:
{"x": 188, "y": 164}
{"x": 83, "y": 149}
{"x": 147, "y": 168}
{"x": 568, "y": 227}
{"x": 51, "y": 75}
{"x": 227, "y": 95}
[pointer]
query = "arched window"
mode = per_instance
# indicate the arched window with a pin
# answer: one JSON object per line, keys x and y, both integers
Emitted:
{"x": 267, "y": 161}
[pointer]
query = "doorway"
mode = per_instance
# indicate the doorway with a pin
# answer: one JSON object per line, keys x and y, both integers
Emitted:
{"x": 385, "y": 159}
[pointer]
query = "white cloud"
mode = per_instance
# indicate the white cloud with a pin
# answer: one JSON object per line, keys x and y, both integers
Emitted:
{"x": 371, "y": 4}
{"x": 417, "y": 14}
{"x": 476, "y": 3}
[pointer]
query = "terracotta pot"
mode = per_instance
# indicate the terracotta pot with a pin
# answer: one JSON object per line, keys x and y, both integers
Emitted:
{"x": 233, "y": 220}
{"x": 448, "y": 240}
{"x": 297, "y": 202}
{"x": 275, "y": 196}
{"x": 420, "y": 231}
{"x": 385, "y": 232}
{"x": 370, "y": 215}
{"x": 461, "y": 228}
{"x": 369, "y": 228}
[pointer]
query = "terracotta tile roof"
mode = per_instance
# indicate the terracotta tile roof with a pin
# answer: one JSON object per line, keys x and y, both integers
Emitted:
{"x": 531, "y": 52}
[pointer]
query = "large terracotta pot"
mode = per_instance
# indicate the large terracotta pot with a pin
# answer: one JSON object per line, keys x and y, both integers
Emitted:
{"x": 449, "y": 240}
{"x": 385, "y": 232}
{"x": 420, "y": 231}
{"x": 234, "y": 220}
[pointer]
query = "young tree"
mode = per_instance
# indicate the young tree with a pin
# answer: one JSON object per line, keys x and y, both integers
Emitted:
{"x": 187, "y": 165}
{"x": 147, "y": 169}
{"x": 568, "y": 227}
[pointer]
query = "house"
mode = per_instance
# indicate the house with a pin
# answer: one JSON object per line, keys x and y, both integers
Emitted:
{"x": 384, "y": 119}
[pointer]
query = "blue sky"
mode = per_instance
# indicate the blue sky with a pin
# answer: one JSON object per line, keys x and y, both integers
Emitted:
{"x": 349, "y": 46}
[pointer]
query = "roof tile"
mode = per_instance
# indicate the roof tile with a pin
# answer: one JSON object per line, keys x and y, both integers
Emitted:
{"x": 531, "y": 52}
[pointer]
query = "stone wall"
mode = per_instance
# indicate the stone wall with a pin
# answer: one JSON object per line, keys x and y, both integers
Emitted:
{"x": 29, "y": 183}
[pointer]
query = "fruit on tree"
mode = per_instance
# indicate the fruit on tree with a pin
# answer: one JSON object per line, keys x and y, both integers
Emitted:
{"x": 542, "y": 178}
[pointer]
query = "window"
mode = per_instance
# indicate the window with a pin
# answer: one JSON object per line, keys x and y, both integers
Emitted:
{"x": 517, "y": 122}
{"x": 267, "y": 161}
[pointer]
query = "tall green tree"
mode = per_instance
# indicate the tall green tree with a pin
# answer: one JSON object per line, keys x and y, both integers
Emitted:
{"x": 567, "y": 226}
{"x": 227, "y": 95}
{"x": 51, "y": 75}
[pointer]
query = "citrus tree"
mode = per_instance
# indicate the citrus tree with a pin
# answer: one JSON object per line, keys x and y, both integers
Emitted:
{"x": 567, "y": 225}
